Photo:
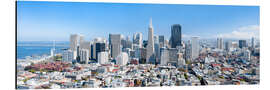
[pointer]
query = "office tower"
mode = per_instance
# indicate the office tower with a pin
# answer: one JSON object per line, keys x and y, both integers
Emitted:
{"x": 84, "y": 56}
{"x": 138, "y": 39}
{"x": 67, "y": 55}
{"x": 103, "y": 57}
{"x": 99, "y": 45}
{"x": 115, "y": 45}
{"x": 157, "y": 49}
{"x": 164, "y": 56}
{"x": 161, "y": 40}
{"x": 242, "y": 43}
{"x": 176, "y": 35}
{"x": 188, "y": 51}
{"x": 150, "y": 43}
{"x": 86, "y": 45}
{"x": 219, "y": 43}
{"x": 173, "y": 58}
{"x": 74, "y": 38}
{"x": 195, "y": 47}
{"x": 228, "y": 45}
{"x": 122, "y": 59}
{"x": 253, "y": 42}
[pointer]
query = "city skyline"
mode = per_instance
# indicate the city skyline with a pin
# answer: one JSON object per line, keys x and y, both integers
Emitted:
{"x": 66, "y": 19}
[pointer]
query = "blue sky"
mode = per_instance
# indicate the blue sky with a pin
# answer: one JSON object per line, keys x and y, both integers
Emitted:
{"x": 47, "y": 21}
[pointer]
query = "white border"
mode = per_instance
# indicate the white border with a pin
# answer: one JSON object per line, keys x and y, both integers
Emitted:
{"x": 7, "y": 53}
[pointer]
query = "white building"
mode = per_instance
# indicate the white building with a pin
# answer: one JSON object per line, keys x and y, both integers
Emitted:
{"x": 103, "y": 57}
{"x": 247, "y": 54}
{"x": 67, "y": 55}
{"x": 195, "y": 47}
{"x": 84, "y": 56}
{"x": 122, "y": 59}
{"x": 150, "y": 45}
{"x": 74, "y": 39}
{"x": 164, "y": 56}
{"x": 138, "y": 39}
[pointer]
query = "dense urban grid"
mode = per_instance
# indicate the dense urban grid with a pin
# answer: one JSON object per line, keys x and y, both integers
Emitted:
{"x": 121, "y": 62}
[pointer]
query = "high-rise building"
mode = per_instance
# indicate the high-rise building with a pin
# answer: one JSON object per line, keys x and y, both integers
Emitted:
{"x": 150, "y": 43}
{"x": 195, "y": 47}
{"x": 188, "y": 51}
{"x": 220, "y": 43}
{"x": 242, "y": 43}
{"x": 67, "y": 55}
{"x": 99, "y": 45}
{"x": 115, "y": 44}
{"x": 173, "y": 58}
{"x": 161, "y": 40}
{"x": 103, "y": 57}
{"x": 228, "y": 45}
{"x": 122, "y": 59}
{"x": 86, "y": 45}
{"x": 74, "y": 39}
{"x": 176, "y": 35}
{"x": 164, "y": 56}
{"x": 84, "y": 56}
{"x": 157, "y": 49}
{"x": 253, "y": 42}
{"x": 138, "y": 39}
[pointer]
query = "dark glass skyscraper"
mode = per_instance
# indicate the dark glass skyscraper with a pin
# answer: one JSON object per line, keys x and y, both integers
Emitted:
{"x": 242, "y": 43}
{"x": 176, "y": 35}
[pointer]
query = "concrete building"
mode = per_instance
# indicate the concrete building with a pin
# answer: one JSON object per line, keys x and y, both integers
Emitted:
{"x": 84, "y": 56}
{"x": 138, "y": 39}
{"x": 74, "y": 40}
{"x": 220, "y": 43}
{"x": 67, "y": 55}
{"x": 150, "y": 44}
{"x": 115, "y": 45}
{"x": 195, "y": 47}
{"x": 103, "y": 57}
{"x": 122, "y": 59}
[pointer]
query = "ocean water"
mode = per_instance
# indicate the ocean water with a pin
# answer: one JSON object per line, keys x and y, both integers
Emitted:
{"x": 39, "y": 48}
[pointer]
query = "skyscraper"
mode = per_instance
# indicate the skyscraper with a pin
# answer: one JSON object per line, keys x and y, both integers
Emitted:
{"x": 253, "y": 42}
{"x": 220, "y": 43}
{"x": 150, "y": 43}
{"x": 161, "y": 40}
{"x": 115, "y": 44}
{"x": 242, "y": 43}
{"x": 195, "y": 47}
{"x": 138, "y": 39}
{"x": 74, "y": 38}
{"x": 228, "y": 45}
{"x": 176, "y": 35}
{"x": 99, "y": 45}
{"x": 164, "y": 56}
{"x": 84, "y": 56}
{"x": 157, "y": 49}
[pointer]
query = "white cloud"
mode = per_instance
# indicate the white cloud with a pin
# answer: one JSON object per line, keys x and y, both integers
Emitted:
{"x": 245, "y": 32}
